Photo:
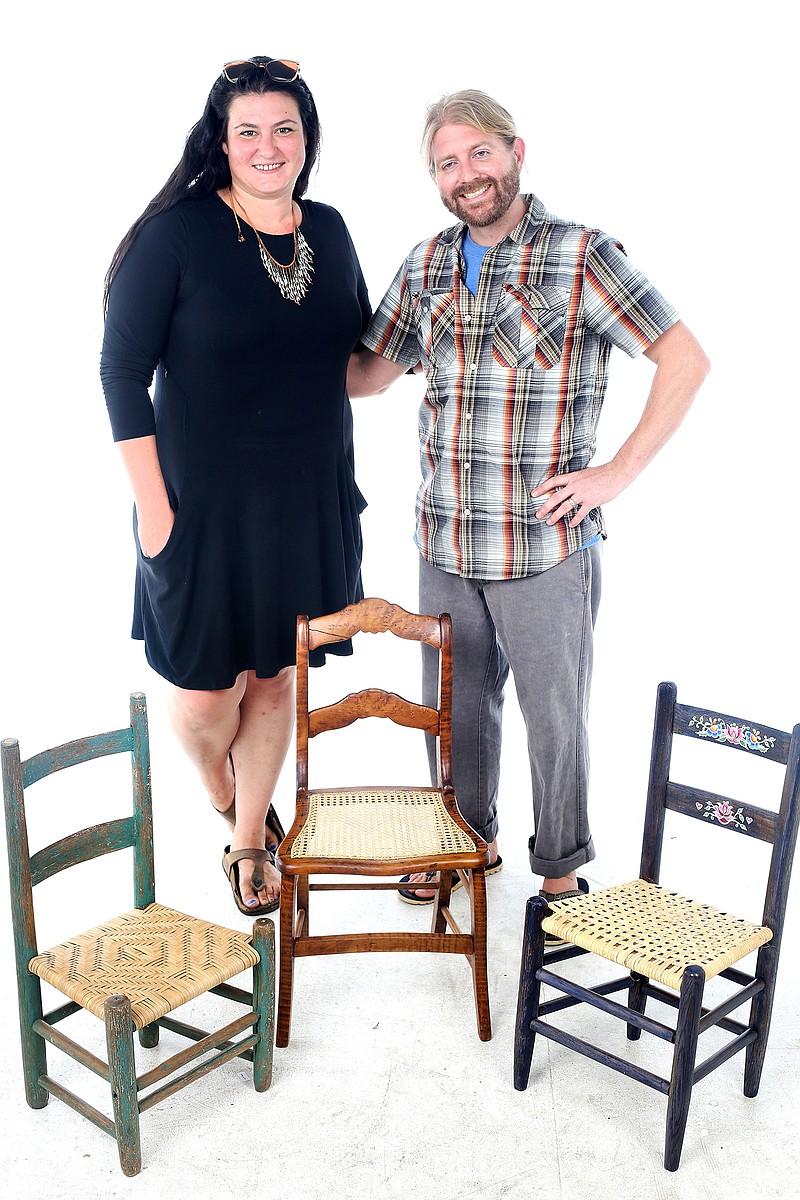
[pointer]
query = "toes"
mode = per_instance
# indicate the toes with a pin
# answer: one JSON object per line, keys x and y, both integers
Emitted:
{"x": 248, "y": 895}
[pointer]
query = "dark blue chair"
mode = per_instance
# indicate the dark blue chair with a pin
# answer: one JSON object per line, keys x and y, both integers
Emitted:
{"x": 669, "y": 944}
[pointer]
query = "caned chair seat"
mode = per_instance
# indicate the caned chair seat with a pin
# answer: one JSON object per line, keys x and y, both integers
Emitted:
{"x": 388, "y": 825}
{"x": 655, "y": 932}
{"x": 156, "y": 956}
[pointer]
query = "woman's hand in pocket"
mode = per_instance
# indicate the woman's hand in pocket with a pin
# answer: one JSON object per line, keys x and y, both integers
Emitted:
{"x": 154, "y": 530}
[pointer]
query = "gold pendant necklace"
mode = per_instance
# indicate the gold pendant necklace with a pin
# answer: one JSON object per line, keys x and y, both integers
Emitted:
{"x": 292, "y": 279}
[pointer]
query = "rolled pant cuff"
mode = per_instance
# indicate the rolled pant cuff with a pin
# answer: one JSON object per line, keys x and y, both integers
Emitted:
{"x": 489, "y": 834}
{"x": 555, "y": 868}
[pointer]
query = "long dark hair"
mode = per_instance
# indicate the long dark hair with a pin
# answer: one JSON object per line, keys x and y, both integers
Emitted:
{"x": 204, "y": 168}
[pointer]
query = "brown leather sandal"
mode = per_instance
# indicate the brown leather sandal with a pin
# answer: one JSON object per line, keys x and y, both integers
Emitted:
{"x": 230, "y": 865}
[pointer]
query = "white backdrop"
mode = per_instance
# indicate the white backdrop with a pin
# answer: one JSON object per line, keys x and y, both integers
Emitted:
{"x": 671, "y": 127}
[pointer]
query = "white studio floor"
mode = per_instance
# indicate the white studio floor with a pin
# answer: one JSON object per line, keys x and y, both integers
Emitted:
{"x": 385, "y": 1090}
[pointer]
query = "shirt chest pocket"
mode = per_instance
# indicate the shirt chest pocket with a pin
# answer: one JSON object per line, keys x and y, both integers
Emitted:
{"x": 435, "y": 315}
{"x": 530, "y": 325}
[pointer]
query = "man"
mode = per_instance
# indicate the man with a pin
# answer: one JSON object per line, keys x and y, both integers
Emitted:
{"x": 513, "y": 313}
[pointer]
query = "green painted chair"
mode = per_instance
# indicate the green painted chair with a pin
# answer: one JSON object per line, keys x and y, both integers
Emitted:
{"x": 132, "y": 971}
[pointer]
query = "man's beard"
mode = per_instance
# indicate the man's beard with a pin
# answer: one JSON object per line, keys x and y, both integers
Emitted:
{"x": 504, "y": 192}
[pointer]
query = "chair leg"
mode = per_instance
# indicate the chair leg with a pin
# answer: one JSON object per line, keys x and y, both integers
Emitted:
{"x": 440, "y": 901}
{"x": 34, "y": 1047}
{"x": 637, "y": 998}
{"x": 148, "y": 1035}
{"x": 529, "y": 989}
{"x": 264, "y": 1001}
{"x": 302, "y": 901}
{"x": 122, "y": 1073}
{"x": 480, "y": 974}
{"x": 680, "y": 1087}
{"x": 286, "y": 979}
{"x": 760, "y": 1018}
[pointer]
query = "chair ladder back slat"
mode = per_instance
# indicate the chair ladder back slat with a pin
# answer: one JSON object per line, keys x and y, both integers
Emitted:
{"x": 733, "y": 732}
{"x": 722, "y": 812}
{"x": 81, "y": 847}
{"x": 372, "y": 702}
{"x": 99, "y": 745}
{"x": 373, "y": 616}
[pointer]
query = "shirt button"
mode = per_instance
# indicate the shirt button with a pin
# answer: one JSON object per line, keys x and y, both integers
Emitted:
{"x": 467, "y": 416}
{"x": 467, "y": 466}
{"x": 473, "y": 366}
{"x": 467, "y": 512}
{"x": 467, "y": 319}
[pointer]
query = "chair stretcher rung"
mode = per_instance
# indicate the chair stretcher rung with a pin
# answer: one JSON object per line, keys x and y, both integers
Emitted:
{"x": 366, "y": 943}
{"x": 189, "y": 1031}
{"x": 197, "y": 1073}
{"x": 602, "y": 1056}
{"x": 219, "y": 1040}
{"x": 229, "y": 992}
{"x": 654, "y": 992}
{"x": 722, "y": 1055}
{"x": 80, "y": 1106}
{"x": 73, "y": 1049}
{"x": 607, "y": 1006}
{"x": 713, "y": 1016}
{"x": 603, "y": 989}
{"x": 59, "y": 1014}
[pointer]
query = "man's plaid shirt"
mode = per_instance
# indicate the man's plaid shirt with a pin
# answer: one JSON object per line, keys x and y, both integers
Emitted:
{"x": 516, "y": 380}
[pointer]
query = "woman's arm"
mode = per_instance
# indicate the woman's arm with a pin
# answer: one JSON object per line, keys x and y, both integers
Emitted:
{"x": 154, "y": 514}
{"x": 368, "y": 374}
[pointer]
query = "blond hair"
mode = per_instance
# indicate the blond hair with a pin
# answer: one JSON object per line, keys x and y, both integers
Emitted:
{"x": 467, "y": 107}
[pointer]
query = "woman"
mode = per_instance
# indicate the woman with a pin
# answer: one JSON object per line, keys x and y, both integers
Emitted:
{"x": 246, "y": 301}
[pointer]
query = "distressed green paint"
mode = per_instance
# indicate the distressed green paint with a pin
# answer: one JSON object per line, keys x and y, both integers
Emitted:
{"x": 29, "y": 993}
{"x": 144, "y": 879}
{"x": 264, "y": 1002}
{"x": 135, "y": 830}
{"x": 124, "y": 1094}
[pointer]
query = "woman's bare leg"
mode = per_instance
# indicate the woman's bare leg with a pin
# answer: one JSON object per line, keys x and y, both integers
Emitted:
{"x": 244, "y": 729}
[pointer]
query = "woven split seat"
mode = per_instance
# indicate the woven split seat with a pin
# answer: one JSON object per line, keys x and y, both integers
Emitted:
{"x": 156, "y": 956}
{"x": 653, "y": 931}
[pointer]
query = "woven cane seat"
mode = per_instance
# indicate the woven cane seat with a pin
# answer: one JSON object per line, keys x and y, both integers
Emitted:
{"x": 658, "y": 933}
{"x": 382, "y": 824}
{"x": 159, "y": 958}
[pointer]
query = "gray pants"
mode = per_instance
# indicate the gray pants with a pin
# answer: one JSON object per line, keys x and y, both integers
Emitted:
{"x": 541, "y": 628}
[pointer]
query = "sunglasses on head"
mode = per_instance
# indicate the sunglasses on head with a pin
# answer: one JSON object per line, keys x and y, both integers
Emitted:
{"x": 282, "y": 70}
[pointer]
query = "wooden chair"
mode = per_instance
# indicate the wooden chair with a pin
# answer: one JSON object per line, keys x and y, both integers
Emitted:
{"x": 379, "y": 831}
{"x": 131, "y": 971}
{"x": 669, "y": 944}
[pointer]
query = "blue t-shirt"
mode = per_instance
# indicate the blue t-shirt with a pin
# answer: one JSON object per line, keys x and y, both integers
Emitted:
{"x": 473, "y": 257}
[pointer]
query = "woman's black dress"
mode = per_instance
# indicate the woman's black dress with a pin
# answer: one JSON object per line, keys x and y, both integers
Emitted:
{"x": 254, "y": 434}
